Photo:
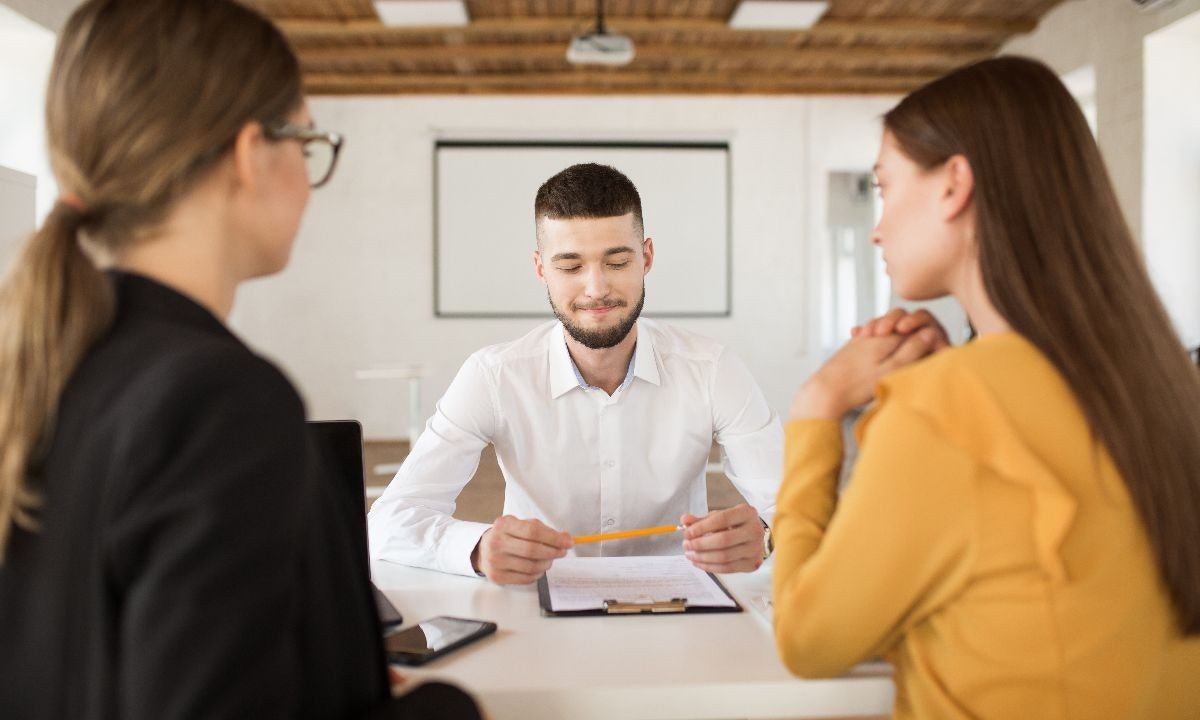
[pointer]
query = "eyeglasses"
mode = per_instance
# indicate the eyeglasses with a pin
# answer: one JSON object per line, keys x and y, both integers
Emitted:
{"x": 321, "y": 148}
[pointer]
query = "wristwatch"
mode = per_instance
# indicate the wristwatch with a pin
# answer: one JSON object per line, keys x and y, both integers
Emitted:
{"x": 768, "y": 541}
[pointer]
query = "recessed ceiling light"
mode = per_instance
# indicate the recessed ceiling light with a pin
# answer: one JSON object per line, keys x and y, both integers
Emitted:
{"x": 422, "y": 13}
{"x": 777, "y": 14}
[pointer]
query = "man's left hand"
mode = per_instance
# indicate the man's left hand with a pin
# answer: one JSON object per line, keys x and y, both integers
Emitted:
{"x": 725, "y": 541}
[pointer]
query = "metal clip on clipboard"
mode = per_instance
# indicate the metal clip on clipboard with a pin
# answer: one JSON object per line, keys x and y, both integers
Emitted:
{"x": 674, "y": 605}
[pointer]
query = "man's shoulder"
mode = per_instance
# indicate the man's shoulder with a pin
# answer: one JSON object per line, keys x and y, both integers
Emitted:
{"x": 672, "y": 340}
{"x": 532, "y": 344}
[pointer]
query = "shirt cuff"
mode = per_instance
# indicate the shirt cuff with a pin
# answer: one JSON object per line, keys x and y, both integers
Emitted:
{"x": 454, "y": 552}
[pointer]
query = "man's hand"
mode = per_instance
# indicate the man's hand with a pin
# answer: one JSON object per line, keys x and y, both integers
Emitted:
{"x": 724, "y": 541}
{"x": 899, "y": 321}
{"x": 517, "y": 552}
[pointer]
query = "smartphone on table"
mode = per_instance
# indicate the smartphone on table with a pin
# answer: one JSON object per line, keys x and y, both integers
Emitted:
{"x": 434, "y": 638}
{"x": 389, "y": 617}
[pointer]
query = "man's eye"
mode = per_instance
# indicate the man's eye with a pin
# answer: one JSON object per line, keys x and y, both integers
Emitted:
{"x": 618, "y": 266}
{"x": 573, "y": 269}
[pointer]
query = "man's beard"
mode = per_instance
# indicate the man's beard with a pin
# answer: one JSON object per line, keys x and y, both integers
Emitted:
{"x": 604, "y": 338}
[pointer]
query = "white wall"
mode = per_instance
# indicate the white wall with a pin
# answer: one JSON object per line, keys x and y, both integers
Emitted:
{"x": 1107, "y": 34}
{"x": 1171, "y": 197}
{"x": 50, "y": 14}
{"x": 16, "y": 212}
{"x": 359, "y": 290}
{"x": 26, "y": 52}
{"x": 842, "y": 136}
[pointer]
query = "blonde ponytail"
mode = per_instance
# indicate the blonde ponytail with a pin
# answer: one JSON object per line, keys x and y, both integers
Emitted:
{"x": 53, "y": 305}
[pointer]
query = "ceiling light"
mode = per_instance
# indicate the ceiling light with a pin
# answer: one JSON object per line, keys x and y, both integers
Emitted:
{"x": 600, "y": 47}
{"x": 777, "y": 14}
{"x": 422, "y": 13}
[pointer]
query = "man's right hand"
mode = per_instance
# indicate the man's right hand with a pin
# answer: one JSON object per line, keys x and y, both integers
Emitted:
{"x": 517, "y": 552}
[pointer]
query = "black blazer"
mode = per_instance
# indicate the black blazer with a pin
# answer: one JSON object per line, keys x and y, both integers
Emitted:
{"x": 191, "y": 562}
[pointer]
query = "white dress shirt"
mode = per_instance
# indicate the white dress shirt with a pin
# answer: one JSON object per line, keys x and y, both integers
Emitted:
{"x": 576, "y": 458}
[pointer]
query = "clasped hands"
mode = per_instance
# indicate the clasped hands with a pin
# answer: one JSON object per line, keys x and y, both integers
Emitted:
{"x": 848, "y": 379}
{"x": 515, "y": 551}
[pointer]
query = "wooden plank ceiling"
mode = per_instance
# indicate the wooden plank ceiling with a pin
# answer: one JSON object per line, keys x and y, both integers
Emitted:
{"x": 682, "y": 47}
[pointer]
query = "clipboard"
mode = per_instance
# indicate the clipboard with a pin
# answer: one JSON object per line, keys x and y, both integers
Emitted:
{"x": 639, "y": 606}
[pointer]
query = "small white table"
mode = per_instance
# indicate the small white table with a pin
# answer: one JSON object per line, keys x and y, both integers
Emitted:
{"x": 698, "y": 666}
{"x": 413, "y": 372}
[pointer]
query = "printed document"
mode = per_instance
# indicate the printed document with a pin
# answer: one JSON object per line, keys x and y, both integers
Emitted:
{"x": 584, "y": 583}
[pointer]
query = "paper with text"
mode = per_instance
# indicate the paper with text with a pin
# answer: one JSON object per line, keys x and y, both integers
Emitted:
{"x": 584, "y": 583}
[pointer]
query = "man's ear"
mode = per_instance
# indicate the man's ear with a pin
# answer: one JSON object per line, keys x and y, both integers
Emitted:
{"x": 538, "y": 268}
{"x": 959, "y": 187}
{"x": 245, "y": 156}
{"x": 647, "y": 255}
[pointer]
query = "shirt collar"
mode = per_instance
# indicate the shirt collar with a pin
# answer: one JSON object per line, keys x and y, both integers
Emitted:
{"x": 565, "y": 376}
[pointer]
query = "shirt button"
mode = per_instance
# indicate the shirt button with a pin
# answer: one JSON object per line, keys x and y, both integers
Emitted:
{"x": 609, "y": 522}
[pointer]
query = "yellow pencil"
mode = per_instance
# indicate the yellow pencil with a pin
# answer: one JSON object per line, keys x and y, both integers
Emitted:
{"x": 627, "y": 534}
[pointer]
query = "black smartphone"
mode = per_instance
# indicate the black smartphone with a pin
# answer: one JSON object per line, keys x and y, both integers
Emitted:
{"x": 389, "y": 617}
{"x": 434, "y": 638}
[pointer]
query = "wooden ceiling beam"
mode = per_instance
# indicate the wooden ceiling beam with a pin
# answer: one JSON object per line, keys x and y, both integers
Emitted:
{"x": 596, "y": 81}
{"x": 592, "y": 90}
{"x": 493, "y": 52}
{"x": 977, "y": 28}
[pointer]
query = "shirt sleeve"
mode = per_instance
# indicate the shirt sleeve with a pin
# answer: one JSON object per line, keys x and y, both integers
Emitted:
{"x": 412, "y": 523}
{"x": 849, "y": 582}
{"x": 749, "y": 433}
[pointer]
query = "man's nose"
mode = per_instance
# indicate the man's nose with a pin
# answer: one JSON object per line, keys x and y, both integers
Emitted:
{"x": 596, "y": 285}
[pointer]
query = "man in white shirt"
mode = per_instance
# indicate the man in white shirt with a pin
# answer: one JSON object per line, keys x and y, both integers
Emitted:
{"x": 601, "y": 421}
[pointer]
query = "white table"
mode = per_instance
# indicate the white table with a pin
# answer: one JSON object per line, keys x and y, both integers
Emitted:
{"x": 666, "y": 666}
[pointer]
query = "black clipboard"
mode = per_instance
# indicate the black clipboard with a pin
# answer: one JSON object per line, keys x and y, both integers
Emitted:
{"x": 617, "y": 607}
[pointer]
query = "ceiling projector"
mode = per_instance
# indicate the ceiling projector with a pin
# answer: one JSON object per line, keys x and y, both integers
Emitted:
{"x": 600, "y": 48}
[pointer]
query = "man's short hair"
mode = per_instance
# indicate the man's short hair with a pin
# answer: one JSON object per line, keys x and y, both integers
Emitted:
{"x": 587, "y": 190}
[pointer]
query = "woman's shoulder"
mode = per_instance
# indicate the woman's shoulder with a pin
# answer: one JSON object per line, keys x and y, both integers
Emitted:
{"x": 166, "y": 373}
{"x": 999, "y": 401}
{"x": 165, "y": 343}
{"x": 998, "y": 386}
{"x": 1000, "y": 364}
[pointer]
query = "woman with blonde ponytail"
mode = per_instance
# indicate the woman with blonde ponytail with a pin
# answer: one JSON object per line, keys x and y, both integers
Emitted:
{"x": 167, "y": 543}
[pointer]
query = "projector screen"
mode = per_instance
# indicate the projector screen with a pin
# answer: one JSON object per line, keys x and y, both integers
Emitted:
{"x": 484, "y": 229}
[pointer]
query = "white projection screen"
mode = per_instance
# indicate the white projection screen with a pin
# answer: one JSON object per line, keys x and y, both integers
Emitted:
{"x": 484, "y": 229}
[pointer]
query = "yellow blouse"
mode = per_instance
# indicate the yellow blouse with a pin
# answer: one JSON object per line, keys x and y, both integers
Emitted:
{"x": 985, "y": 545}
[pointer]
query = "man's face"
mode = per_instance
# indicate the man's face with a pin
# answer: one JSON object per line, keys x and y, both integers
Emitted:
{"x": 594, "y": 270}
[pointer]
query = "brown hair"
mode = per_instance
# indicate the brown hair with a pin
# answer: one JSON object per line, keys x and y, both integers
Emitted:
{"x": 1061, "y": 266}
{"x": 587, "y": 190}
{"x": 144, "y": 97}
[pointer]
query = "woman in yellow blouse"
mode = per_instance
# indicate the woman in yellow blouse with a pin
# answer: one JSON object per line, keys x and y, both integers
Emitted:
{"x": 1021, "y": 536}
